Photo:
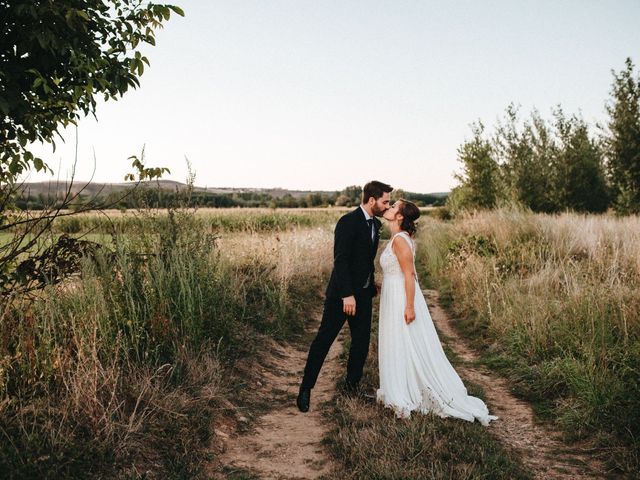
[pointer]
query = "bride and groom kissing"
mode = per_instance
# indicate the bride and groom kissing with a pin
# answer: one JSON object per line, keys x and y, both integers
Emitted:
{"x": 415, "y": 375}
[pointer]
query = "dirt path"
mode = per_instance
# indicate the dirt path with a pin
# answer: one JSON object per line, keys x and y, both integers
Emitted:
{"x": 285, "y": 444}
{"x": 541, "y": 448}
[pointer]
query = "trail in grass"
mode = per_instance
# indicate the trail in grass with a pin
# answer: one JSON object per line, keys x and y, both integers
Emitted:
{"x": 541, "y": 448}
{"x": 284, "y": 443}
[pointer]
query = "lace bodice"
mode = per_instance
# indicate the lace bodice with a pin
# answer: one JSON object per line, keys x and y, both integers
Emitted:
{"x": 389, "y": 261}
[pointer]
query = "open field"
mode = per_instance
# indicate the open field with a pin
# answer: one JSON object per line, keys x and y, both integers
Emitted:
{"x": 227, "y": 219}
{"x": 123, "y": 371}
{"x": 99, "y": 226}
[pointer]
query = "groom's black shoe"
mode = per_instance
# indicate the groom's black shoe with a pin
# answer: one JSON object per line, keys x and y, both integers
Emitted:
{"x": 303, "y": 399}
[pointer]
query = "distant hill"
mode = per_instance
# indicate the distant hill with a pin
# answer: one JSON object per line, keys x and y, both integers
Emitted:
{"x": 439, "y": 194}
{"x": 54, "y": 189}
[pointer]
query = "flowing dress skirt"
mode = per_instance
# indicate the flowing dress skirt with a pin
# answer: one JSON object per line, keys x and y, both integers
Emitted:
{"x": 415, "y": 374}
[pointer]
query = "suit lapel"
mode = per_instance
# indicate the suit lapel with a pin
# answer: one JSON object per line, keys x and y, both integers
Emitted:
{"x": 365, "y": 227}
{"x": 373, "y": 243}
{"x": 376, "y": 235}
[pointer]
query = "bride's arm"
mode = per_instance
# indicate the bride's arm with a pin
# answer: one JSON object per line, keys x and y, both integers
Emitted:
{"x": 405, "y": 258}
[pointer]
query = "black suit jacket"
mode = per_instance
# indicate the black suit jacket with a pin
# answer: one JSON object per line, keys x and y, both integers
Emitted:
{"x": 353, "y": 255}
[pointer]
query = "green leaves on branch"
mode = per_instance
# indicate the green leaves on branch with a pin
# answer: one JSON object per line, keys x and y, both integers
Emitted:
{"x": 136, "y": 64}
{"x": 622, "y": 143}
{"x": 164, "y": 11}
{"x": 56, "y": 57}
{"x": 142, "y": 172}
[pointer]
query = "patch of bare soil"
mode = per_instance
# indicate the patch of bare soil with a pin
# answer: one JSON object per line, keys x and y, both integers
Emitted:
{"x": 283, "y": 443}
{"x": 541, "y": 448}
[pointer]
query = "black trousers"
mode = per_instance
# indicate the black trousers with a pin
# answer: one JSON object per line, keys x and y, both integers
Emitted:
{"x": 333, "y": 319}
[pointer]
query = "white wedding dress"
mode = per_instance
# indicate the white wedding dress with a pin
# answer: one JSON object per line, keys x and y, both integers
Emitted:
{"x": 415, "y": 374}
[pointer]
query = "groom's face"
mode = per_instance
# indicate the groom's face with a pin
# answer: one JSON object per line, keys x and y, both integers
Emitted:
{"x": 381, "y": 205}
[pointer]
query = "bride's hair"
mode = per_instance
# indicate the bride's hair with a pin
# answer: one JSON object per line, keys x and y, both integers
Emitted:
{"x": 410, "y": 213}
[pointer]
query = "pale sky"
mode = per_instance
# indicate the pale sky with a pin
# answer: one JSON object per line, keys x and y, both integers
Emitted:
{"x": 319, "y": 94}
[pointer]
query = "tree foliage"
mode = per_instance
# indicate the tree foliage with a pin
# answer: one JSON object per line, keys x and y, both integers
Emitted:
{"x": 580, "y": 182}
{"x": 558, "y": 165}
{"x": 350, "y": 196}
{"x": 544, "y": 166}
{"x": 56, "y": 58}
{"x": 622, "y": 141}
{"x": 527, "y": 155}
{"x": 481, "y": 174}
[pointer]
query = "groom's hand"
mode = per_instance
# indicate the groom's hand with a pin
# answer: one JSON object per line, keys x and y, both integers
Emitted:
{"x": 349, "y": 305}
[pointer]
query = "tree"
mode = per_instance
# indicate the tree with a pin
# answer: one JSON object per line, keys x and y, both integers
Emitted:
{"x": 544, "y": 164}
{"x": 525, "y": 156}
{"x": 350, "y": 196}
{"x": 480, "y": 177}
{"x": 315, "y": 199}
{"x": 580, "y": 176}
{"x": 56, "y": 57}
{"x": 398, "y": 193}
{"x": 623, "y": 140}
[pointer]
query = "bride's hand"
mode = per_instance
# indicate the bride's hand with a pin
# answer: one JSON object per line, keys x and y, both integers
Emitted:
{"x": 409, "y": 315}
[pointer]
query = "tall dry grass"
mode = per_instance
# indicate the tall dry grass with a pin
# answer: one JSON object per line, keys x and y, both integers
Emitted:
{"x": 555, "y": 303}
{"x": 119, "y": 373}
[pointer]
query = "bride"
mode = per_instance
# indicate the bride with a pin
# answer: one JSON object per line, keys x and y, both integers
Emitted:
{"x": 415, "y": 374}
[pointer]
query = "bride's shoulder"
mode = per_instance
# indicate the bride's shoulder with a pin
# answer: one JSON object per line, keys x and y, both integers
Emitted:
{"x": 404, "y": 235}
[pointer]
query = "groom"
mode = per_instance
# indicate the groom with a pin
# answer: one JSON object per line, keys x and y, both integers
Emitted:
{"x": 350, "y": 290}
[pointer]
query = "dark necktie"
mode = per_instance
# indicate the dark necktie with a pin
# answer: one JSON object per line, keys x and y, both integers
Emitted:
{"x": 370, "y": 223}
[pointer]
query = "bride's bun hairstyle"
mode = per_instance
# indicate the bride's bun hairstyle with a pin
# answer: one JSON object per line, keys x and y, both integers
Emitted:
{"x": 410, "y": 213}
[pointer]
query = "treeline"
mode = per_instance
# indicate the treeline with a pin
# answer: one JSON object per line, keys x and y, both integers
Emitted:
{"x": 558, "y": 164}
{"x": 164, "y": 198}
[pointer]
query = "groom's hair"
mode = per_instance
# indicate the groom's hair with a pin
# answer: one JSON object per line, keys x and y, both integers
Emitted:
{"x": 375, "y": 189}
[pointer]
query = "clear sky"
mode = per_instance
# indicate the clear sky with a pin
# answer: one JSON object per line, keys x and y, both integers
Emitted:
{"x": 321, "y": 94}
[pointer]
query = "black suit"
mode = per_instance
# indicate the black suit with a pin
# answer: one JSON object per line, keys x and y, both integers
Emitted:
{"x": 354, "y": 252}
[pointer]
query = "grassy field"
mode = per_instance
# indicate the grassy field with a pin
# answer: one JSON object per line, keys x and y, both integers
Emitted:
{"x": 217, "y": 220}
{"x": 118, "y": 372}
{"x": 554, "y": 304}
